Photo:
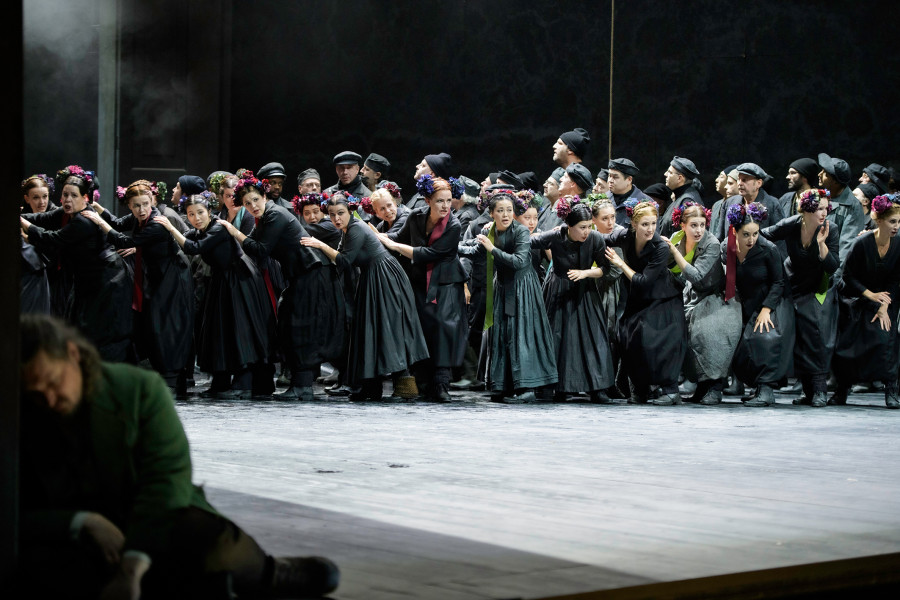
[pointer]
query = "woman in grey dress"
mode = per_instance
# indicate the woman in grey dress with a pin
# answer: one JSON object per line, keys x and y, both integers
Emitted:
{"x": 713, "y": 325}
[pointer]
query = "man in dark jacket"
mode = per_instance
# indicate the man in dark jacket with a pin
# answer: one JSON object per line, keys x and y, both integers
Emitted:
{"x": 680, "y": 179}
{"x": 106, "y": 488}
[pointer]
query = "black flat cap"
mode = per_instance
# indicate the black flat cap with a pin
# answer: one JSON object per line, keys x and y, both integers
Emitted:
{"x": 808, "y": 168}
{"x": 658, "y": 192}
{"x": 557, "y": 174}
{"x": 577, "y": 140}
{"x": 529, "y": 180}
{"x": 308, "y": 174}
{"x": 379, "y": 164}
{"x": 836, "y": 167}
{"x": 753, "y": 170}
{"x": 879, "y": 176}
{"x": 511, "y": 178}
{"x": 581, "y": 176}
{"x": 347, "y": 158}
{"x": 272, "y": 169}
{"x": 441, "y": 164}
{"x": 623, "y": 165}
{"x": 603, "y": 174}
{"x": 686, "y": 167}
{"x": 191, "y": 184}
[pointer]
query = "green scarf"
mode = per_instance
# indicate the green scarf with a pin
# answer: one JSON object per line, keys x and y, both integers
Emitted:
{"x": 489, "y": 299}
{"x": 689, "y": 257}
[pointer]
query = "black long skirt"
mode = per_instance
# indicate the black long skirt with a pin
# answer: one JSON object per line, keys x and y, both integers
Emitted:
{"x": 385, "y": 334}
{"x": 864, "y": 351}
{"x": 445, "y": 324}
{"x": 653, "y": 340}
{"x": 237, "y": 326}
{"x": 311, "y": 318}
{"x": 101, "y": 308}
{"x": 816, "y": 337}
{"x": 766, "y": 357}
{"x": 578, "y": 327}
{"x": 166, "y": 323}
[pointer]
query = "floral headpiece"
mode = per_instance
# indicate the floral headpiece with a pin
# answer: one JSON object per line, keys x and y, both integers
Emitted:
{"x": 302, "y": 200}
{"x": 366, "y": 204}
{"x": 215, "y": 182}
{"x": 594, "y": 198}
{"x": 210, "y": 200}
{"x": 485, "y": 198}
{"x": 884, "y": 202}
{"x": 457, "y": 189}
{"x": 565, "y": 205}
{"x": 352, "y": 201}
{"x": 425, "y": 185}
{"x": 249, "y": 179}
{"x": 90, "y": 177}
{"x": 630, "y": 205}
{"x": 737, "y": 214}
{"x": 159, "y": 189}
{"x": 48, "y": 182}
{"x": 392, "y": 188}
{"x": 678, "y": 212}
{"x": 809, "y": 200}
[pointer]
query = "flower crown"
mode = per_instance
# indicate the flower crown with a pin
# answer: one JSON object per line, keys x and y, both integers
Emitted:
{"x": 678, "y": 212}
{"x": 352, "y": 201}
{"x": 215, "y": 182}
{"x": 809, "y": 200}
{"x": 565, "y": 205}
{"x": 249, "y": 179}
{"x": 366, "y": 204}
{"x": 884, "y": 202}
{"x": 593, "y": 198}
{"x": 90, "y": 177}
{"x": 737, "y": 214}
{"x": 298, "y": 202}
{"x": 48, "y": 182}
{"x": 524, "y": 199}
{"x": 392, "y": 188}
{"x": 632, "y": 204}
{"x": 425, "y": 185}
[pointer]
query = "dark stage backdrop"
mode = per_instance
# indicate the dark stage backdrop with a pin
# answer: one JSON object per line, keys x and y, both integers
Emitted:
{"x": 495, "y": 83}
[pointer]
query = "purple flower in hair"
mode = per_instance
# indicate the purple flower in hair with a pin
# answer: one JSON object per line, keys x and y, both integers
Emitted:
{"x": 883, "y": 203}
{"x": 457, "y": 189}
{"x": 735, "y": 214}
{"x": 564, "y": 205}
{"x": 425, "y": 185}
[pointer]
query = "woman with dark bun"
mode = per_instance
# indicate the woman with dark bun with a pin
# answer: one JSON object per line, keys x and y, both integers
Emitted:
{"x": 812, "y": 248}
{"x": 385, "y": 335}
{"x": 713, "y": 325}
{"x": 236, "y": 335}
{"x": 573, "y": 303}
{"x": 163, "y": 293}
{"x": 101, "y": 286}
{"x": 651, "y": 332}
{"x": 754, "y": 273}
{"x": 310, "y": 310}
{"x": 520, "y": 352}
{"x": 428, "y": 243}
{"x": 868, "y": 347}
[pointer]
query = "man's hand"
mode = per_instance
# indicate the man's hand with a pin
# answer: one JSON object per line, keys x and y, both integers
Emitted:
{"x": 108, "y": 538}
{"x": 126, "y": 585}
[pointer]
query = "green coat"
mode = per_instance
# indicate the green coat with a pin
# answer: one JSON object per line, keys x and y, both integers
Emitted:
{"x": 141, "y": 468}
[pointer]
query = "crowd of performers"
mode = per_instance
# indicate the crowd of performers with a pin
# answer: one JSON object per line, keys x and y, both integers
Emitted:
{"x": 591, "y": 289}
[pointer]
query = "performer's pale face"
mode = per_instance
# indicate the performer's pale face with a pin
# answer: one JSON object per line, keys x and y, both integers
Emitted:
{"x": 228, "y": 198}
{"x": 580, "y": 231}
{"x": 340, "y": 216}
{"x": 54, "y": 383}
{"x": 605, "y": 220}
{"x": 529, "y": 219}
{"x": 747, "y": 236}
{"x": 72, "y": 200}
{"x": 38, "y": 198}
{"x": 551, "y": 189}
{"x": 645, "y": 228}
{"x": 818, "y": 217}
{"x": 385, "y": 208}
{"x": 618, "y": 182}
{"x": 312, "y": 214}
{"x": 600, "y": 186}
{"x": 255, "y": 203}
{"x": 422, "y": 169}
{"x": 694, "y": 228}
{"x": 889, "y": 226}
{"x": 310, "y": 186}
{"x": 140, "y": 207}
{"x": 198, "y": 216}
{"x": 440, "y": 203}
{"x": 503, "y": 214}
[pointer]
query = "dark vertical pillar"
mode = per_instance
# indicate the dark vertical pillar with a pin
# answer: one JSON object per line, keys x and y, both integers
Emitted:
{"x": 11, "y": 158}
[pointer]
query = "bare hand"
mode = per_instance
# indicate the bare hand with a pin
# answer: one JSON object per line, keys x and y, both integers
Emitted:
{"x": 164, "y": 222}
{"x": 228, "y": 226}
{"x": 823, "y": 232}
{"x": 126, "y": 252}
{"x": 614, "y": 259}
{"x": 24, "y": 224}
{"x": 576, "y": 274}
{"x": 883, "y": 298}
{"x": 104, "y": 533}
{"x": 388, "y": 242}
{"x": 882, "y": 317}
{"x": 485, "y": 241}
{"x": 468, "y": 293}
{"x": 764, "y": 319}
{"x": 122, "y": 587}
{"x": 312, "y": 242}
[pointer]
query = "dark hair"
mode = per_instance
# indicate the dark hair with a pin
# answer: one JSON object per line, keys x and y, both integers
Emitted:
{"x": 505, "y": 195}
{"x": 341, "y": 198}
{"x": 580, "y": 212}
{"x": 52, "y": 336}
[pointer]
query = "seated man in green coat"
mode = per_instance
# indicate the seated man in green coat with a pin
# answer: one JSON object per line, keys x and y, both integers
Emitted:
{"x": 108, "y": 507}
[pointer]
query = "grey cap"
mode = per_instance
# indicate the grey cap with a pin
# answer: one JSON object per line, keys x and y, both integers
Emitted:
{"x": 623, "y": 165}
{"x": 347, "y": 158}
{"x": 836, "y": 167}
{"x": 473, "y": 188}
{"x": 753, "y": 170}
{"x": 378, "y": 163}
{"x": 308, "y": 174}
{"x": 686, "y": 167}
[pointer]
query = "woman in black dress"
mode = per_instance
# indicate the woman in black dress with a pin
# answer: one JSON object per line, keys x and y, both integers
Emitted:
{"x": 652, "y": 331}
{"x": 163, "y": 295}
{"x": 754, "y": 271}
{"x": 428, "y": 244}
{"x": 310, "y": 314}
{"x": 36, "y": 192}
{"x": 868, "y": 347}
{"x": 237, "y": 330}
{"x": 713, "y": 325}
{"x": 812, "y": 248}
{"x": 520, "y": 352}
{"x": 385, "y": 335}
{"x": 573, "y": 303}
{"x": 101, "y": 285}
{"x": 386, "y": 204}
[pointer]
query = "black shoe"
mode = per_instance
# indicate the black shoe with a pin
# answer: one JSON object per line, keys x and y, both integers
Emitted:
{"x": 735, "y": 388}
{"x": 791, "y": 388}
{"x": 711, "y": 397}
{"x": 838, "y": 398}
{"x": 234, "y": 395}
{"x": 765, "y": 396}
{"x": 614, "y": 393}
{"x": 891, "y": 400}
{"x": 688, "y": 388}
{"x": 802, "y": 401}
{"x": 296, "y": 393}
{"x": 600, "y": 397}
{"x": 819, "y": 400}
{"x": 338, "y": 390}
{"x": 303, "y": 577}
{"x": 667, "y": 400}
{"x": 524, "y": 398}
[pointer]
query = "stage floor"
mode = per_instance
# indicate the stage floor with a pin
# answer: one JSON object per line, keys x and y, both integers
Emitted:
{"x": 479, "y": 500}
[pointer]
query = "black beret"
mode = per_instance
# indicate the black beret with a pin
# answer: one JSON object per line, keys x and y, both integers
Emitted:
{"x": 623, "y": 165}
{"x": 511, "y": 178}
{"x": 603, "y": 174}
{"x": 686, "y": 167}
{"x": 378, "y": 163}
{"x": 580, "y": 175}
{"x": 727, "y": 170}
{"x": 557, "y": 174}
{"x": 441, "y": 164}
{"x": 347, "y": 158}
{"x": 879, "y": 176}
{"x": 191, "y": 184}
{"x": 836, "y": 167}
{"x": 499, "y": 186}
{"x": 658, "y": 192}
{"x": 577, "y": 140}
{"x": 272, "y": 169}
{"x": 869, "y": 190}
{"x": 753, "y": 170}
{"x": 529, "y": 180}
{"x": 308, "y": 174}
{"x": 492, "y": 177}
{"x": 808, "y": 168}
{"x": 473, "y": 188}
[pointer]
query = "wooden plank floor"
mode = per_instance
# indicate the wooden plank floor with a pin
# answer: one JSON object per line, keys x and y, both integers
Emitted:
{"x": 476, "y": 500}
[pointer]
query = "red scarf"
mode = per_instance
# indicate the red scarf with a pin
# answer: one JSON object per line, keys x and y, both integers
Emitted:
{"x": 268, "y": 280}
{"x": 436, "y": 233}
{"x": 730, "y": 264}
